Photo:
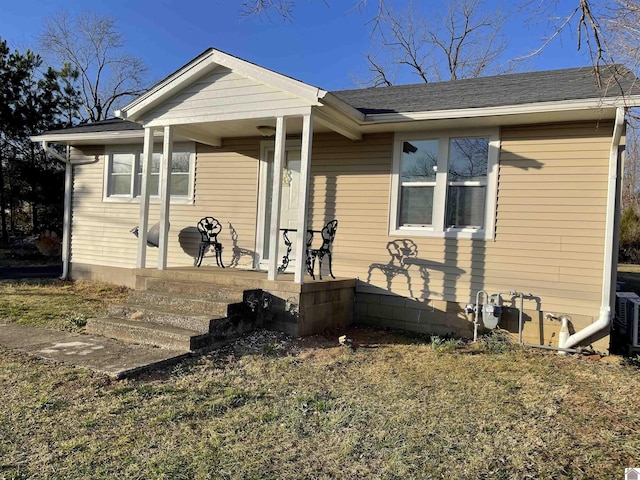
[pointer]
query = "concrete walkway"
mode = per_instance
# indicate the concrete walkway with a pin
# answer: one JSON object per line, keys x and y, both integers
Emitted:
{"x": 104, "y": 355}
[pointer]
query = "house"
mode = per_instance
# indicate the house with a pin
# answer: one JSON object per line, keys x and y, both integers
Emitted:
{"x": 505, "y": 185}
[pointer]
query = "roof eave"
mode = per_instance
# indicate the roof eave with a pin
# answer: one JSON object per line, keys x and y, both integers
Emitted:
{"x": 539, "y": 107}
{"x": 96, "y": 137}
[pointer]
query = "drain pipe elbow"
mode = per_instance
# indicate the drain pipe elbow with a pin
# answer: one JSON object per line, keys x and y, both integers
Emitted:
{"x": 604, "y": 320}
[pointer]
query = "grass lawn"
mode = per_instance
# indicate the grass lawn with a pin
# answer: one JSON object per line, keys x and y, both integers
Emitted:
{"x": 271, "y": 407}
{"x": 55, "y": 303}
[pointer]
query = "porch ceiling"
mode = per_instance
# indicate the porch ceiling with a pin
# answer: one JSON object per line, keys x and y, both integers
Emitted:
{"x": 248, "y": 127}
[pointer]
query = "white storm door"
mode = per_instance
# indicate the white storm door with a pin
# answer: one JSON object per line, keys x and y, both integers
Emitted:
{"x": 288, "y": 205}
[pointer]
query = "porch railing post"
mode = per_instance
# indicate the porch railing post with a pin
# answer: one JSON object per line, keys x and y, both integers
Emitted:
{"x": 274, "y": 228}
{"x": 303, "y": 196}
{"x": 165, "y": 196}
{"x": 143, "y": 224}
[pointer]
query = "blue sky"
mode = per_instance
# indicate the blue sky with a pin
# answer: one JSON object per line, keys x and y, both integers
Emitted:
{"x": 324, "y": 45}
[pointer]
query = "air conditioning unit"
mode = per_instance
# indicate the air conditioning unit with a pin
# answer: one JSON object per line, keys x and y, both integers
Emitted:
{"x": 633, "y": 314}
{"x": 622, "y": 318}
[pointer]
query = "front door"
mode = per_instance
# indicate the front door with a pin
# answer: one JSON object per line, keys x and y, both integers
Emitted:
{"x": 288, "y": 204}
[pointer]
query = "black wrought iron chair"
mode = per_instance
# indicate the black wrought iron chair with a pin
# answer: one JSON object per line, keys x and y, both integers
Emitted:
{"x": 328, "y": 234}
{"x": 209, "y": 229}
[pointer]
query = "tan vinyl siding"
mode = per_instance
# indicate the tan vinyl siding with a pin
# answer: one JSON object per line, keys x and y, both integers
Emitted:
{"x": 226, "y": 187}
{"x": 550, "y": 222}
{"x": 224, "y": 92}
{"x": 549, "y": 234}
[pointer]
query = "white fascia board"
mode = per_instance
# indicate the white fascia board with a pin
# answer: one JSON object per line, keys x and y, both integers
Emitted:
{"x": 205, "y": 64}
{"x": 69, "y": 138}
{"x": 256, "y": 72}
{"x": 331, "y": 100}
{"x": 186, "y": 75}
{"x": 544, "y": 107}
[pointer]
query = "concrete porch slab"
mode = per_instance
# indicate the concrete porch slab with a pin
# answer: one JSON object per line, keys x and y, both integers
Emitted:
{"x": 100, "y": 354}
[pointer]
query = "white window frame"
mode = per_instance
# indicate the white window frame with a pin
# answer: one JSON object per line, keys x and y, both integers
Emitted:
{"x": 438, "y": 227}
{"x": 137, "y": 151}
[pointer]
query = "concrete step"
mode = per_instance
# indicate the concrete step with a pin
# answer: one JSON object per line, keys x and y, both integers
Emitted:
{"x": 180, "y": 302}
{"x": 165, "y": 316}
{"x": 205, "y": 291}
{"x": 165, "y": 336}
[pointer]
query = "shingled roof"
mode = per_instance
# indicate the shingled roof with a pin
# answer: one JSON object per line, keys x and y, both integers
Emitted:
{"x": 512, "y": 89}
{"x": 495, "y": 91}
{"x": 109, "y": 125}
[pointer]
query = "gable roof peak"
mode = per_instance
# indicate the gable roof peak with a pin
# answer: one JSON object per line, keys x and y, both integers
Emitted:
{"x": 205, "y": 63}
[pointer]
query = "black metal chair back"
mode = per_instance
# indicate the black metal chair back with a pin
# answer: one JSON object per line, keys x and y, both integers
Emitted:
{"x": 328, "y": 234}
{"x": 209, "y": 229}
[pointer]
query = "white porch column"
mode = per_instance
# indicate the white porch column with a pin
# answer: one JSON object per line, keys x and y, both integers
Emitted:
{"x": 274, "y": 228}
{"x": 303, "y": 196}
{"x": 165, "y": 196}
{"x": 143, "y": 224}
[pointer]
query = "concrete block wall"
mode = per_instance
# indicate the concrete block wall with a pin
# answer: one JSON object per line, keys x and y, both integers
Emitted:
{"x": 314, "y": 308}
{"x": 435, "y": 317}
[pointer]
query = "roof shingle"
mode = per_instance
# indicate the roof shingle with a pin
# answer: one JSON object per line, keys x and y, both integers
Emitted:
{"x": 500, "y": 90}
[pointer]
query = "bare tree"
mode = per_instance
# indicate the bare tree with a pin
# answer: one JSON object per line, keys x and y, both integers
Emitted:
{"x": 584, "y": 17}
{"x": 463, "y": 41}
{"x": 595, "y": 25}
{"x": 107, "y": 75}
{"x": 622, "y": 27}
{"x": 282, "y": 8}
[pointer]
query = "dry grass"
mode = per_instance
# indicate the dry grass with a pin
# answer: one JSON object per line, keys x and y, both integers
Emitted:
{"x": 269, "y": 408}
{"x": 54, "y": 303}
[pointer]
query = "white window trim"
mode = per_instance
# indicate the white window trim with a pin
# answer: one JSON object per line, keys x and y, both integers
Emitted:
{"x": 440, "y": 191}
{"x": 137, "y": 150}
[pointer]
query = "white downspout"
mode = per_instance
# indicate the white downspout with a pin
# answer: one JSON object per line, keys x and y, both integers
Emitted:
{"x": 611, "y": 238}
{"x": 66, "y": 219}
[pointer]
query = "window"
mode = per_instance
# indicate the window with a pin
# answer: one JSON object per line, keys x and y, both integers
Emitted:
{"x": 123, "y": 179}
{"x": 444, "y": 185}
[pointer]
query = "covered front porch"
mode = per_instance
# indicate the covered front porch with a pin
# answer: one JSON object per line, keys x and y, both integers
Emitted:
{"x": 218, "y": 97}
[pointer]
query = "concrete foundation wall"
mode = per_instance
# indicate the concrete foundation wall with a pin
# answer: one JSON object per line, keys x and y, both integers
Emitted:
{"x": 436, "y": 317}
{"x": 102, "y": 273}
{"x": 318, "y": 307}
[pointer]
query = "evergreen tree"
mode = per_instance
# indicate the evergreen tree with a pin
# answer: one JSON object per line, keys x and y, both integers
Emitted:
{"x": 32, "y": 100}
